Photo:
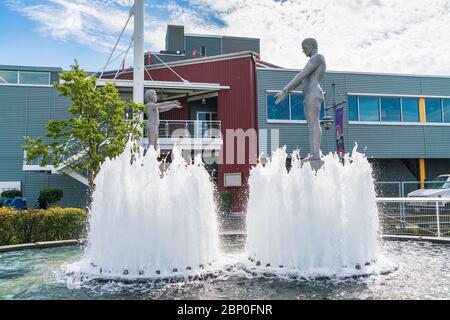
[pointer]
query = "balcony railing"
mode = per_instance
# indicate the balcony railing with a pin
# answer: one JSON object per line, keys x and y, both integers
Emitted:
{"x": 188, "y": 129}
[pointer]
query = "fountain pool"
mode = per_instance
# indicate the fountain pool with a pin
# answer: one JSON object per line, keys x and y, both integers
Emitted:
{"x": 422, "y": 271}
{"x": 326, "y": 256}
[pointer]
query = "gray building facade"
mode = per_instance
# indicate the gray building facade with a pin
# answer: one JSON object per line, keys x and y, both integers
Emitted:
{"x": 27, "y": 102}
{"x": 397, "y": 120}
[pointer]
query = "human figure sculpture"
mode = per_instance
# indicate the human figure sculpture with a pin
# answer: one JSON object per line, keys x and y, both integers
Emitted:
{"x": 152, "y": 109}
{"x": 310, "y": 77}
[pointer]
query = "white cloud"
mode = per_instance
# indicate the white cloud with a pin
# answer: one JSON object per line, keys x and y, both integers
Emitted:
{"x": 407, "y": 36}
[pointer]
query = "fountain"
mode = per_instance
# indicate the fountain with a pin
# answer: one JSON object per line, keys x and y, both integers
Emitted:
{"x": 312, "y": 220}
{"x": 145, "y": 222}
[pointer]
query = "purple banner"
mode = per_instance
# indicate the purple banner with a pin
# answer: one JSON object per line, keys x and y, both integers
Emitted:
{"x": 339, "y": 123}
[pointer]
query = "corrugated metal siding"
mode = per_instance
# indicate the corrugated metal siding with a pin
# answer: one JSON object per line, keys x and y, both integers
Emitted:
{"x": 437, "y": 141}
{"x": 381, "y": 141}
{"x": 213, "y": 45}
{"x": 26, "y": 111}
{"x": 388, "y": 141}
{"x": 382, "y": 84}
{"x": 232, "y": 44}
{"x": 435, "y": 86}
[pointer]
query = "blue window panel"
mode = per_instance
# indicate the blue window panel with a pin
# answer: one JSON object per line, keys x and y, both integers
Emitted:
{"x": 446, "y": 106}
{"x": 368, "y": 109}
{"x": 410, "y": 110}
{"x": 390, "y": 109}
{"x": 8, "y": 76}
{"x": 297, "y": 111}
{"x": 277, "y": 111}
{"x": 322, "y": 111}
{"x": 31, "y": 77}
{"x": 433, "y": 110}
{"x": 352, "y": 108}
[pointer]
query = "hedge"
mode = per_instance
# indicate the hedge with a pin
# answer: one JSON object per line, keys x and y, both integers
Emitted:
{"x": 28, "y": 226}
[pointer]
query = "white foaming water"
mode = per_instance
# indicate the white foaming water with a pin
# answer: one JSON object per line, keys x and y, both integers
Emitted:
{"x": 146, "y": 223}
{"x": 312, "y": 221}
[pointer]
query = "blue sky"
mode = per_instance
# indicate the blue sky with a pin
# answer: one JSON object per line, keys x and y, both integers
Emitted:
{"x": 23, "y": 45}
{"x": 401, "y": 36}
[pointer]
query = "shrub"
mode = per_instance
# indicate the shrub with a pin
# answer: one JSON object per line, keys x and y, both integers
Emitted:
{"x": 48, "y": 197}
{"x": 11, "y": 194}
{"x": 225, "y": 201}
{"x": 27, "y": 226}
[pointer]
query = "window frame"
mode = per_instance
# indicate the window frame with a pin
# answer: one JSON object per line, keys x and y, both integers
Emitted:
{"x": 18, "y": 84}
{"x": 401, "y": 97}
{"x": 11, "y": 84}
{"x": 441, "y": 109}
{"x": 31, "y": 72}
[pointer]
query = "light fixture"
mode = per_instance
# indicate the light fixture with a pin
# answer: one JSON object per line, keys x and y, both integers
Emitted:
{"x": 203, "y": 101}
{"x": 326, "y": 121}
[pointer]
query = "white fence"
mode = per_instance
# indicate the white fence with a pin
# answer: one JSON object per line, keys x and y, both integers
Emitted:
{"x": 400, "y": 189}
{"x": 415, "y": 216}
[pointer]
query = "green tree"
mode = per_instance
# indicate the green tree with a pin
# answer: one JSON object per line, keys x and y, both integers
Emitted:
{"x": 97, "y": 129}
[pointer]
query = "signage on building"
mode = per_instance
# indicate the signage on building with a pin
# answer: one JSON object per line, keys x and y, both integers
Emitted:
{"x": 232, "y": 180}
{"x": 339, "y": 121}
{"x": 9, "y": 185}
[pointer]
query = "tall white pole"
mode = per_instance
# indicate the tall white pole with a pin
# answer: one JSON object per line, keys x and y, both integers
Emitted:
{"x": 138, "y": 63}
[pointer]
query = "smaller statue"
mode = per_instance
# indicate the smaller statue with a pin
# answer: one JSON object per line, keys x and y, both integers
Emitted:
{"x": 152, "y": 110}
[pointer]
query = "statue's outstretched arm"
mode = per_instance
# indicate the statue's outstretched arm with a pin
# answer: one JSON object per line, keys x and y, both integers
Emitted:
{"x": 166, "y": 106}
{"x": 162, "y": 106}
{"x": 310, "y": 67}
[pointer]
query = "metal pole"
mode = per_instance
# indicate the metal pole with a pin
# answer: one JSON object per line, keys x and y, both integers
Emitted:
{"x": 138, "y": 63}
{"x": 437, "y": 220}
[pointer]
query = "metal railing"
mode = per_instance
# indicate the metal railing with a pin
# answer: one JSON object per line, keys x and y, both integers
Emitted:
{"x": 187, "y": 129}
{"x": 415, "y": 216}
{"x": 400, "y": 189}
{"x": 73, "y": 149}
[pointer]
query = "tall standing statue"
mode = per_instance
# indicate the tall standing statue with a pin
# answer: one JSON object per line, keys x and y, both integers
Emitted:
{"x": 310, "y": 77}
{"x": 152, "y": 109}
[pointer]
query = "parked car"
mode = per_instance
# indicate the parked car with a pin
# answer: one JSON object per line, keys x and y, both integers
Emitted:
{"x": 437, "y": 188}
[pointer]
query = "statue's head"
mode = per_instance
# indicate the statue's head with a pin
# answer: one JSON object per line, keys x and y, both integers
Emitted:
{"x": 309, "y": 46}
{"x": 150, "y": 95}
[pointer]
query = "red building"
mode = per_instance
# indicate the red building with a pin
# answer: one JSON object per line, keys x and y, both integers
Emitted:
{"x": 216, "y": 92}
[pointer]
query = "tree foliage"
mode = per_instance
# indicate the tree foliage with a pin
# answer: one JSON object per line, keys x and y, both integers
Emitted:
{"x": 100, "y": 125}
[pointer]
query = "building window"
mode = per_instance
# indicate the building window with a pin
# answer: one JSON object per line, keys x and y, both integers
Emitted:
{"x": 369, "y": 109}
{"x": 433, "y": 110}
{"x": 203, "y": 51}
{"x": 410, "y": 110}
{"x": 277, "y": 111}
{"x": 290, "y": 108}
{"x": 390, "y": 109}
{"x": 8, "y": 76}
{"x": 297, "y": 111}
{"x": 31, "y": 77}
{"x": 383, "y": 109}
{"x": 446, "y": 109}
{"x": 352, "y": 108}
